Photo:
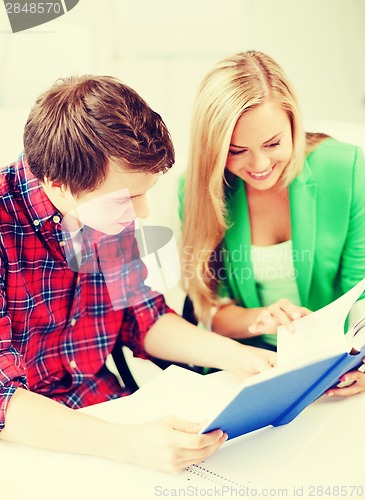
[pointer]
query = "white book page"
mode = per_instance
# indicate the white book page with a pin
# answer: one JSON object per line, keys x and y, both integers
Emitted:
{"x": 176, "y": 391}
{"x": 356, "y": 335}
{"x": 319, "y": 334}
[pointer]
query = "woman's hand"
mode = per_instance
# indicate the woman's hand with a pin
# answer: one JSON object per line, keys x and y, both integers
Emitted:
{"x": 283, "y": 312}
{"x": 171, "y": 444}
{"x": 352, "y": 383}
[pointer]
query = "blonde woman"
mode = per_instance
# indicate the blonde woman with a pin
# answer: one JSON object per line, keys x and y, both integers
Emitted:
{"x": 273, "y": 218}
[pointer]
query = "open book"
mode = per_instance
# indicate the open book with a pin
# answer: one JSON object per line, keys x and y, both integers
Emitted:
{"x": 310, "y": 361}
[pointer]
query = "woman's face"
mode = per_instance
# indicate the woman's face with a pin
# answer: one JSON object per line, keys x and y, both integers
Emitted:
{"x": 261, "y": 146}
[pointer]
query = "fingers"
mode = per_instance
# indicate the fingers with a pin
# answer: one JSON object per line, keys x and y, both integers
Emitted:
{"x": 292, "y": 311}
{"x": 352, "y": 383}
{"x": 281, "y": 313}
{"x": 180, "y": 424}
{"x": 188, "y": 447}
{"x": 344, "y": 391}
{"x": 187, "y": 434}
{"x": 188, "y": 457}
{"x": 271, "y": 357}
{"x": 264, "y": 323}
{"x": 252, "y": 360}
{"x": 264, "y": 360}
{"x": 200, "y": 454}
{"x": 261, "y": 365}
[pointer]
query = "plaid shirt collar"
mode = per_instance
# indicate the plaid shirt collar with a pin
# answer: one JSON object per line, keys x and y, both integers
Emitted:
{"x": 37, "y": 203}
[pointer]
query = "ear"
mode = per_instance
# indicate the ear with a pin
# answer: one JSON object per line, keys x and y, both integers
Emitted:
{"x": 56, "y": 188}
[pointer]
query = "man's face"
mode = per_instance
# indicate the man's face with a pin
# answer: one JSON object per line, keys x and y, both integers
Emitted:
{"x": 115, "y": 204}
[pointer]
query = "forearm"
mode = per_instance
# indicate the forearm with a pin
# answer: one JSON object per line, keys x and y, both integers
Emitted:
{"x": 174, "y": 339}
{"x": 36, "y": 421}
{"x": 233, "y": 321}
{"x": 170, "y": 444}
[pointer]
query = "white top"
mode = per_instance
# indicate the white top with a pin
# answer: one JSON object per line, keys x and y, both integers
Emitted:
{"x": 274, "y": 273}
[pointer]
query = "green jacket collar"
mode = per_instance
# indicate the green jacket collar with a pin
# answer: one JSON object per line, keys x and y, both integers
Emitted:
{"x": 303, "y": 198}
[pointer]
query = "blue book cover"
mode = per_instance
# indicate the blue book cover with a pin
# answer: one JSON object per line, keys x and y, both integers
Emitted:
{"x": 344, "y": 363}
{"x": 277, "y": 396}
{"x": 280, "y": 398}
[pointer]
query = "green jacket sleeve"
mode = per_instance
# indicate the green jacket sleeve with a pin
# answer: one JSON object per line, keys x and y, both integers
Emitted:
{"x": 353, "y": 256}
{"x": 181, "y": 195}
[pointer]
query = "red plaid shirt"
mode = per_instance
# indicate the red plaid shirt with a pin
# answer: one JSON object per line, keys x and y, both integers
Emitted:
{"x": 57, "y": 325}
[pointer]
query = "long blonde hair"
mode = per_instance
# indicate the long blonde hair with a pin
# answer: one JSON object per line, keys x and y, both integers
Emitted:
{"x": 235, "y": 85}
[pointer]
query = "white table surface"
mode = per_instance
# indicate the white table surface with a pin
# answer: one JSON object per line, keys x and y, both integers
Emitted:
{"x": 324, "y": 447}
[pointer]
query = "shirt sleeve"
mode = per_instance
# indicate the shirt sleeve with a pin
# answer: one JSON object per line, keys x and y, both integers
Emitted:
{"x": 145, "y": 309}
{"x": 12, "y": 367}
{"x": 139, "y": 319}
{"x": 353, "y": 258}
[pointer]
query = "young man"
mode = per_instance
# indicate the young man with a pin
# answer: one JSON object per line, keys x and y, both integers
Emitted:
{"x": 93, "y": 148}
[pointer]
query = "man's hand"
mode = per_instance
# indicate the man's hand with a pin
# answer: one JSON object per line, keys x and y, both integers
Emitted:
{"x": 171, "y": 444}
{"x": 244, "y": 361}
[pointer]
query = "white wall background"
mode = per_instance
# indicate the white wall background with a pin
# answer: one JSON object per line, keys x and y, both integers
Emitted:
{"x": 163, "y": 48}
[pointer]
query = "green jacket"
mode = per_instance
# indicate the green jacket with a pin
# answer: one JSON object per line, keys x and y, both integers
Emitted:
{"x": 327, "y": 205}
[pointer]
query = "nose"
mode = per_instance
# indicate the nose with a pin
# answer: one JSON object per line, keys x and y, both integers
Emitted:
{"x": 141, "y": 207}
{"x": 260, "y": 162}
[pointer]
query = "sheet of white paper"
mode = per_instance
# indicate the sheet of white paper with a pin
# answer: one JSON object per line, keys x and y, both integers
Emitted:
{"x": 199, "y": 397}
{"x": 319, "y": 332}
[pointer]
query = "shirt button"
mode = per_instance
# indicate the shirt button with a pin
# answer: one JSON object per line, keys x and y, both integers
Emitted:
{"x": 62, "y": 243}
{"x": 73, "y": 363}
{"x": 36, "y": 222}
{"x": 73, "y": 322}
{"x": 56, "y": 219}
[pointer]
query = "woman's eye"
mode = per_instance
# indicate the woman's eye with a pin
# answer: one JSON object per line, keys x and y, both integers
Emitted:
{"x": 273, "y": 144}
{"x": 235, "y": 153}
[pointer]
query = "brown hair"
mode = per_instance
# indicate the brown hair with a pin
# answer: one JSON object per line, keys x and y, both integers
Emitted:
{"x": 82, "y": 122}
{"x": 313, "y": 140}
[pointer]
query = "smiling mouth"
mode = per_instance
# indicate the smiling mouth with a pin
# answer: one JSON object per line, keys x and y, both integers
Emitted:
{"x": 261, "y": 175}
